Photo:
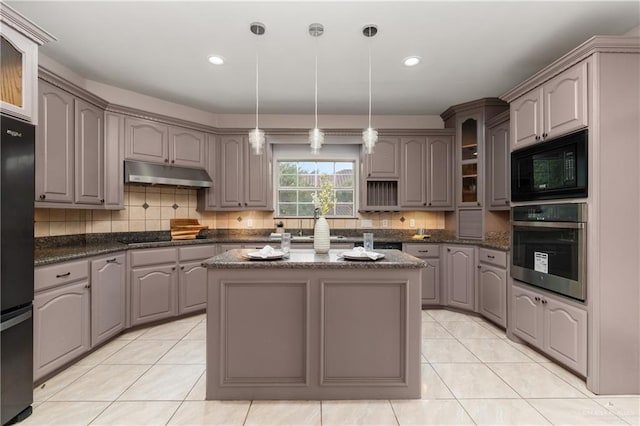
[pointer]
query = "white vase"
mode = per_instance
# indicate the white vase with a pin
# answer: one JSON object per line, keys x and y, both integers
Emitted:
{"x": 321, "y": 240}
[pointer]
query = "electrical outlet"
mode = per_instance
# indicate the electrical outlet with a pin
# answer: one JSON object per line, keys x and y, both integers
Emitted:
{"x": 249, "y": 223}
{"x": 385, "y": 223}
{"x": 412, "y": 223}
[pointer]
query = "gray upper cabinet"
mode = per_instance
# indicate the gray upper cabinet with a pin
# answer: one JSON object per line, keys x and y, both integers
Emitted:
{"x": 384, "y": 163}
{"x": 89, "y": 150}
{"x": 108, "y": 297}
{"x": 208, "y": 197}
{"x": 460, "y": 277}
{"x": 245, "y": 178}
{"x": 498, "y": 176}
{"x": 187, "y": 147}
{"x": 426, "y": 172}
{"x": 557, "y": 107}
{"x": 146, "y": 140}
{"x": 113, "y": 161}
{"x": 155, "y": 142}
{"x": 55, "y": 145}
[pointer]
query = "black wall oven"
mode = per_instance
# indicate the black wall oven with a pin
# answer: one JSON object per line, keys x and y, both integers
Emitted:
{"x": 548, "y": 248}
{"x": 551, "y": 170}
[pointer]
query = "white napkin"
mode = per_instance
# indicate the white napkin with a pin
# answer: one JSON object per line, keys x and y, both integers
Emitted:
{"x": 266, "y": 251}
{"x": 371, "y": 255}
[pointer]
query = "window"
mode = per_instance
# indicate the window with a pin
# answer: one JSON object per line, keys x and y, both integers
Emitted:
{"x": 298, "y": 180}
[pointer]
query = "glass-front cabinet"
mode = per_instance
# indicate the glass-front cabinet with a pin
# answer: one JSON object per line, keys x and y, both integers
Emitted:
{"x": 19, "y": 64}
{"x": 470, "y": 161}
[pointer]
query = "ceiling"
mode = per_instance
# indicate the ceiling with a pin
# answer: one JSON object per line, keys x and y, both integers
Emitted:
{"x": 469, "y": 49}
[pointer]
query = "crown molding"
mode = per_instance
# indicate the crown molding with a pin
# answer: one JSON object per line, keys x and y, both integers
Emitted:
{"x": 498, "y": 119}
{"x": 472, "y": 105}
{"x": 16, "y": 20}
{"x": 66, "y": 85}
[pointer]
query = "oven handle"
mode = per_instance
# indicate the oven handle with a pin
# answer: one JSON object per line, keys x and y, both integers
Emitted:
{"x": 570, "y": 225}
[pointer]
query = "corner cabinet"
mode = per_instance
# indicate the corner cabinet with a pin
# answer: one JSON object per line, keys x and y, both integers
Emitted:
{"x": 557, "y": 107}
{"x": 108, "y": 297}
{"x": 244, "y": 178}
{"x": 554, "y": 325}
{"x": 492, "y": 285}
{"x": 19, "y": 41}
{"x": 460, "y": 276}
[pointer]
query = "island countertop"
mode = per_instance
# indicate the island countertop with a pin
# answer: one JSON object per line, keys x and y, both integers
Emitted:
{"x": 308, "y": 259}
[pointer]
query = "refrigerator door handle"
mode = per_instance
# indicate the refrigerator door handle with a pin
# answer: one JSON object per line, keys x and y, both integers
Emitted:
{"x": 15, "y": 320}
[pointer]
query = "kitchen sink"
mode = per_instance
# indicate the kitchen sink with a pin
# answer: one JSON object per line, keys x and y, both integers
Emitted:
{"x": 310, "y": 237}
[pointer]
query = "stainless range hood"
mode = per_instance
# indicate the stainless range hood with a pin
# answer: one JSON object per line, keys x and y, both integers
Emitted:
{"x": 160, "y": 174}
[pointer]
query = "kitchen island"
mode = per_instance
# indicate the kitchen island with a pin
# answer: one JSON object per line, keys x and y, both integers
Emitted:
{"x": 313, "y": 327}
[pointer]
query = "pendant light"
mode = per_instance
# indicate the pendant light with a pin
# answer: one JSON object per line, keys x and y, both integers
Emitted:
{"x": 256, "y": 136}
{"x": 316, "y": 136}
{"x": 369, "y": 135}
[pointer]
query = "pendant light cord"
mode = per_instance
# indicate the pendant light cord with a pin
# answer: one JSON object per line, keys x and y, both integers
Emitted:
{"x": 316, "y": 84}
{"x": 257, "y": 82}
{"x": 369, "y": 83}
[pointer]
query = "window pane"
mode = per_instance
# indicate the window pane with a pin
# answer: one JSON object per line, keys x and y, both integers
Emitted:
{"x": 287, "y": 209}
{"x": 287, "y": 180}
{"x": 305, "y": 209}
{"x": 325, "y": 167}
{"x": 344, "y": 196}
{"x": 307, "y": 181}
{"x": 344, "y": 209}
{"x": 287, "y": 196}
{"x": 305, "y": 196}
{"x": 287, "y": 167}
{"x": 307, "y": 168}
{"x": 344, "y": 181}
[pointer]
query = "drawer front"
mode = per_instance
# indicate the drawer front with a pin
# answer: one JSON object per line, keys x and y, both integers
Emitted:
{"x": 196, "y": 252}
{"x": 493, "y": 257}
{"x": 153, "y": 256}
{"x": 61, "y": 273}
{"x": 422, "y": 250}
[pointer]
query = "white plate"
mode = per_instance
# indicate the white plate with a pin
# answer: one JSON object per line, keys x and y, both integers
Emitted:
{"x": 255, "y": 255}
{"x": 354, "y": 255}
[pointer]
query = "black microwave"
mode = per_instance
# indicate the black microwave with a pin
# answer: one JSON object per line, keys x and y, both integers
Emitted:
{"x": 550, "y": 170}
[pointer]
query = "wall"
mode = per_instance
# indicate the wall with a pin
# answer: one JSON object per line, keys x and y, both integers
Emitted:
{"x": 160, "y": 202}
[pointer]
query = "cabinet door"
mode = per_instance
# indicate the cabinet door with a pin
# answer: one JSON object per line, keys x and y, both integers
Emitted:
{"x": 492, "y": 297}
{"x": 565, "y": 102}
{"x": 54, "y": 145}
{"x": 108, "y": 286}
{"x": 61, "y": 326}
{"x": 385, "y": 160}
{"x": 499, "y": 172}
{"x": 470, "y": 144}
{"x": 89, "y": 150}
{"x": 187, "y": 147}
{"x": 257, "y": 185}
{"x": 526, "y": 119}
{"x": 527, "y": 315}
{"x": 208, "y": 197}
{"x": 193, "y": 287}
{"x": 146, "y": 140}
{"x": 461, "y": 277}
{"x": 440, "y": 171}
{"x": 153, "y": 293}
{"x": 413, "y": 184}
{"x": 113, "y": 161}
{"x": 231, "y": 171}
{"x": 431, "y": 282}
{"x": 565, "y": 334}
{"x": 18, "y": 71}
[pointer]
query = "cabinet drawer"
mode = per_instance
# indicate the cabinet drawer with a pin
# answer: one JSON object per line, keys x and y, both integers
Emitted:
{"x": 62, "y": 273}
{"x": 422, "y": 250}
{"x": 196, "y": 252}
{"x": 493, "y": 257}
{"x": 153, "y": 256}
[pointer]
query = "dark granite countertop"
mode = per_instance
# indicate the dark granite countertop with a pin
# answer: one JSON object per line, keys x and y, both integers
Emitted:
{"x": 64, "y": 248}
{"x": 308, "y": 259}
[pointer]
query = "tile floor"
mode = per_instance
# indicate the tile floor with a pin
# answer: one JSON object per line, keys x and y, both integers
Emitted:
{"x": 471, "y": 374}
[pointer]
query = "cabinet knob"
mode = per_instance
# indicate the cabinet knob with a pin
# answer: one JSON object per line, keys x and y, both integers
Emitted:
{"x": 478, "y": 203}
{"x": 537, "y": 137}
{"x": 544, "y": 301}
{"x": 537, "y": 299}
{"x": 102, "y": 201}
{"x": 424, "y": 204}
{"x": 369, "y": 175}
{"x": 245, "y": 204}
{"x": 166, "y": 160}
{"x": 429, "y": 203}
{"x": 173, "y": 268}
{"x": 87, "y": 286}
{"x": 173, "y": 161}
{"x": 448, "y": 249}
{"x": 479, "y": 267}
{"x": 240, "y": 204}
{"x": 544, "y": 135}
{"x": 182, "y": 268}
{"x": 506, "y": 201}
{"x": 42, "y": 196}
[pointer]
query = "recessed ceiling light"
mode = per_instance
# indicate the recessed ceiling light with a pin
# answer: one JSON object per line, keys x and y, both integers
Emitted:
{"x": 411, "y": 61}
{"x": 216, "y": 60}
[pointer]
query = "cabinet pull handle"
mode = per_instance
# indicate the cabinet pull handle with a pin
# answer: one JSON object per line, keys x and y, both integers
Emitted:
{"x": 43, "y": 196}
{"x": 544, "y": 301}
{"x": 490, "y": 256}
{"x": 423, "y": 251}
{"x": 63, "y": 275}
{"x": 537, "y": 299}
{"x": 112, "y": 260}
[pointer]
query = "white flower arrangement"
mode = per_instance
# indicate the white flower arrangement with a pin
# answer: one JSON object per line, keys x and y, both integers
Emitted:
{"x": 326, "y": 198}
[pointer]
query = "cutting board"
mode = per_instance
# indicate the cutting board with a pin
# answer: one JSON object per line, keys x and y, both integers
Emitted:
{"x": 185, "y": 229}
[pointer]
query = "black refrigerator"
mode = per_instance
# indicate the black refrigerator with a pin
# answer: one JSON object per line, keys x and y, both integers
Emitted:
{"x": 17, "y": 187}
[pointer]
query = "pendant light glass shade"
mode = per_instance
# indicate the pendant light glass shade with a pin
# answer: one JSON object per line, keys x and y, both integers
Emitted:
{"x": 316, "y": 136}
{"x": 369, "y": 135}
{"x": 256, "y": 136}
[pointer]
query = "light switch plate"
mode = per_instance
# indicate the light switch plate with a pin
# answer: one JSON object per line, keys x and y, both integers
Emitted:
{"x": 385, "y": 223}
{"x": 412, "y": 223}
{"x": 249, "y": 223}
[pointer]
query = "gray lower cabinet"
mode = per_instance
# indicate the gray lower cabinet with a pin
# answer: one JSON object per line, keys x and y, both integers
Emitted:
{"x": 61, "y": 318}
{"x": 430, "y": 253}
{"x": 192, "y": 282}
{"x": 460, "y": 276}
{"x": 492, "y": 285}
{"x": 556, "y": 326}
{"x": 108, "y": 297}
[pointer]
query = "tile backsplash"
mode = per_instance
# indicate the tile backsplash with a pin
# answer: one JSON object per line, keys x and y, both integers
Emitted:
{"x": 149, "y": 208}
